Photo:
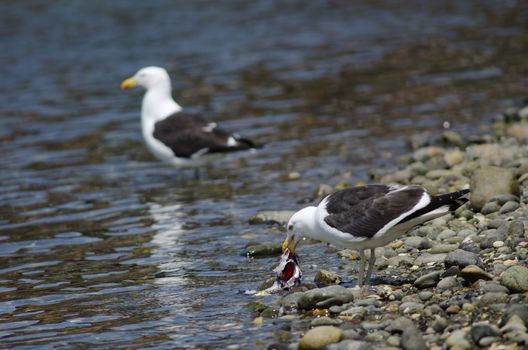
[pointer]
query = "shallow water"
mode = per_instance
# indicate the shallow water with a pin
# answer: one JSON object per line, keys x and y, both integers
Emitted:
{"x": 101, "y": 246}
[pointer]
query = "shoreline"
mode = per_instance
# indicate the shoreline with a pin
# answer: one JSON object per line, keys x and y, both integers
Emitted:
{"x": 461, "y": 280}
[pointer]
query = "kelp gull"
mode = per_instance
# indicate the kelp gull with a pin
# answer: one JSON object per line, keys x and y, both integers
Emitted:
{"x": 172, "y": 135}
{"x": 366, "y": 217}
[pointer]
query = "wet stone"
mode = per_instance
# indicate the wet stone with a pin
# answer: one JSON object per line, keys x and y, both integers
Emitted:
{"x": 320, "y": 337}
{"x": 490, "y": 181}
{"x": 493, "y": 298}
{"x": 461, "y": 258}
{"x": 496, "y": 223}
{"x": 493, "y": 287}
{"x": 349, "y": 344}
{"x": 515, "y": 279}
{"x": 516, "y": 228}
{"x": 325, "y": 321}
{"x": 490, "y": 207}
{"x": 325, "y": 278}
{"x": 411, "y": 307}
{"x": 270, "y": 217}
{"x": 520, "y": 310}
{"x": 412, "y": 339}
{"x": 447, "y": 283}
{"x": 428, "y": 280}
{"x": 504, "y": 198}
{"x": 425, "y": 295}
{"x": 469, "y": 246}
{"x": 262, "y": 250}
{"x": 443, "y": 248}
{"x": 509, "y": 207}
{"x": 473, "y": 273}
{"x": 325, "y": 297}
{"x": 481, "y": 330}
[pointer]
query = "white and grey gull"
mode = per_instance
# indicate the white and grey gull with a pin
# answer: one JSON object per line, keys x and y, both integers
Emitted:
{"x": 173, "y": 135}
{"x": 366, "y": 217}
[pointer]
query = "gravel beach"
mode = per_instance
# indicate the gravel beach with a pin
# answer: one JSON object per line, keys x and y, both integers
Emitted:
{"x": 457, "y": 282}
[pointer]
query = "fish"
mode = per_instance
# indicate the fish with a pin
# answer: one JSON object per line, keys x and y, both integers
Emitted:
{"x": 288, "y": 275}
{"x": 288, "y": 272}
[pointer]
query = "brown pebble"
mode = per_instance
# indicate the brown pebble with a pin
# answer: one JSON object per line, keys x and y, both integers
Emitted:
{"x": 453, "y": 309}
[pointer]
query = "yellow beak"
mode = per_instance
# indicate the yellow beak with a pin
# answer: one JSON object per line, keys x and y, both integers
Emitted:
{"x": 129, "y": 83}
{"x": 287, "y": 242}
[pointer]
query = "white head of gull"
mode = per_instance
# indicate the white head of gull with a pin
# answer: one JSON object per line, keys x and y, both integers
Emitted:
{"x": 366, "y": 217}
{"x": 179, "y": 138}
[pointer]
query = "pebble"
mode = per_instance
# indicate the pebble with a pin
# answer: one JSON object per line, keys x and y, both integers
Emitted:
{"x": 490, "y": 207}
{"x": 325, "y": 278}
{"x": 453, "y": 309}
{"x": 325, "y": 321}
{"x": 428, "y": 280}
{"x": 473, "y": 273}
{"x": 515, "y": 278}
{"x": 498, "y": 244}
{"x": 411, "y": 307}
{"x": 461, "y": 258}
{"x": 325, "y": 297}
{"x": 412, "y": 339}
{"x": 481, "y": 330}
{"x": 509, "y": 206}
{"x": 516, "y": 228}
{"x": 493, "y": 298}
{"x": 262, "y": 250}
{"x": 319, "y": 337}
{"x": 425, "y": 295}
{"x": 490, "y": 181}
{"x": 520, "y": 310}
{"x": 443, "y": 248}
{"x": 447, "y": 283}
{"x": 457, "y": 340}
{"x": 349, "y": 344}
{"x": 269, "y": 217}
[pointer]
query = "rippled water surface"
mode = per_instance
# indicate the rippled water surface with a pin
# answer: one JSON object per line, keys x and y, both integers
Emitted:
{"x": 101, "y": 246}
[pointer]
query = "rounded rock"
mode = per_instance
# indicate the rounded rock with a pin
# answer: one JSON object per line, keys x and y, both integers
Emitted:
{"x": 509, "y": 206}
{"x": 320, "y": 337}
{"x": 515, "y": 278}
{"x": 473, "y": 273}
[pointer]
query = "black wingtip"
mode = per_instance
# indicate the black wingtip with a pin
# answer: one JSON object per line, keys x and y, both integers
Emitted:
{"x": 249, "y": 143}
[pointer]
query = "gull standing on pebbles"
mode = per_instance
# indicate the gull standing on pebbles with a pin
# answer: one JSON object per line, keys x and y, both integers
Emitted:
{"x": 172, "y": 135}
{"x": 366, "y": 217}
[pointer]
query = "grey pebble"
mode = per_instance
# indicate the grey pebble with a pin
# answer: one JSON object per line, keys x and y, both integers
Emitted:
{"x": 428, "y": 280}
{"x": 325, "y": 297}
{"x": 493, "y": 298}
{"x": 490, "y": 207}
{"x": 515, "y": 278}
{"x": 481, "y": 330}
{"x": 447, "y": 283}
{"x": 509, "y": 206}
{"x": 412, "y": 339}
{"x": 461, "y": 258}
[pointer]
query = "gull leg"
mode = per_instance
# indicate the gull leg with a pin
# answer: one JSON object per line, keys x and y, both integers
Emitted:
{"x": 361, "y": 267}
{"x": 197, "y": 173}
{"x": 372, "y": 260}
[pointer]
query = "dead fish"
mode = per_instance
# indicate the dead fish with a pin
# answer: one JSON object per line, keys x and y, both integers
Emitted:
{"x": 288, "y": 272}
{"x": 288, "y": 275}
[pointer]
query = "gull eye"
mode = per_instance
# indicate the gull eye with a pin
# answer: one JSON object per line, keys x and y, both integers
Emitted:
{"x": 290, "y": 227}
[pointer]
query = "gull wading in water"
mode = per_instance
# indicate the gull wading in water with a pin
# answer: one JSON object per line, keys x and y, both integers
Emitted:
{"x": 366, "y": 217}
{"x": 172, "y": 135}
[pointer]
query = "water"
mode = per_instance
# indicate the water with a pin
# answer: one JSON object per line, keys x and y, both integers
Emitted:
{"x": 101, "y": 246}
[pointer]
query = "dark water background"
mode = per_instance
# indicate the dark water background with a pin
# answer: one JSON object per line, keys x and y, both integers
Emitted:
{"x": 101, "y": 246}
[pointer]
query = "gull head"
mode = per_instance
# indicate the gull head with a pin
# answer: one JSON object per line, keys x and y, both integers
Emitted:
{"x": 148, "y": 78}
{"x": 300, "y": 225}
